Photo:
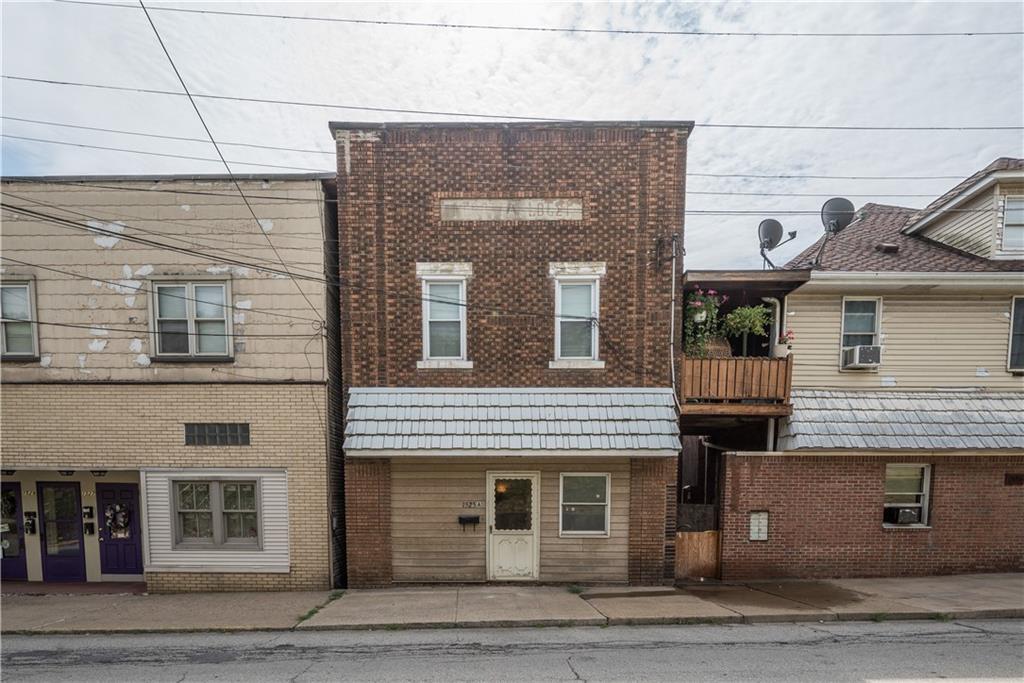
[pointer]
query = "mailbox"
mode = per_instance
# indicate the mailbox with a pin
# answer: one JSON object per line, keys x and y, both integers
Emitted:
{"x": 465, "y": 520}
{"x": 30, "y": 523}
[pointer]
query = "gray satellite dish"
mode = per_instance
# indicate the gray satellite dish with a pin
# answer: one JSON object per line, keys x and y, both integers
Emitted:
{"x": 836, "y": 214}
{"x": 769, "y": 232}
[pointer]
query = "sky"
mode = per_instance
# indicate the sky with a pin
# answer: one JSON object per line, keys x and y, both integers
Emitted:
{"x": 848, "y": 81}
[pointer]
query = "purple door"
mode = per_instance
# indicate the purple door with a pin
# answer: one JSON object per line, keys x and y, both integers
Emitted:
{"x": 120, "y": 541}
{"x": 12, "y": 536}
{"x": 60, "y": 531}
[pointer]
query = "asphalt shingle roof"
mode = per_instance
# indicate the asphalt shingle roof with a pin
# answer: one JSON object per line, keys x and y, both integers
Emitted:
{"x": 418, "y": 419}
{"x": 939, "y": 420}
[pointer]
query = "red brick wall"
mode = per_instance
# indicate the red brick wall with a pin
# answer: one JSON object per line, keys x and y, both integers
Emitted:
{"x": 825, "y": 518}
{"x": 368, "y": 522}
{"x": 631, "y": 181}
{"x": 651, "y": 481}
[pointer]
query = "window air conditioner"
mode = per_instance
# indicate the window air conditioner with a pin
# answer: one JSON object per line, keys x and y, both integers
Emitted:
{"x": 862, "y": 357}
{"x": 908, "y": 516}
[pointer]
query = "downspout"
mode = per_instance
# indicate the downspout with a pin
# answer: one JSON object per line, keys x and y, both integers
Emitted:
{"x": 672, "y": 328}
{"x": 776, "y": 323}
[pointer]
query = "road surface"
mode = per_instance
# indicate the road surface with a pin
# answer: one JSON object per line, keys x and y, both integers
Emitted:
{"x": 793, "y": 652}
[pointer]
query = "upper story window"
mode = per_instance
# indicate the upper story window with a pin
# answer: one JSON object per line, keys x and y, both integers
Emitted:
{"x": 18, "y": 338}
{"x": 191, "y": 320}
{"x": 577, "y": 314}
{"x": 1016, "y": 355}
{"x": 444, "y": 314}
{"x": 861, "y": 322}
{"x": 1013, "y": 224}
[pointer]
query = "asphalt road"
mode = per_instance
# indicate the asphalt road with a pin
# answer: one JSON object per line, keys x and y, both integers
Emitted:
{"x": 793, "y": 652}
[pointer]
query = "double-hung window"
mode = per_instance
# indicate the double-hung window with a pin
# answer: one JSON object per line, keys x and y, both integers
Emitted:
{"x": 191, "y": 320}
{"x": 584, "y": 505}
{"x": 860, "y": 322}
{"x": 576, "y": 311}
{"x": 1013, "y": 224}
{"x": 214, "y": 514}
{"x": 906, "y": 495}
{"x": 18, "y": 338}
{"x": 443, "y": 290}
{"x": 1015, "y": 362}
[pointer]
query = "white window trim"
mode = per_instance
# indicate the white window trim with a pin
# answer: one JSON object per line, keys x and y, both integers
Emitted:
{"x": 190, "y": 301}
{"x": 578, "y": 362}
{"x": 607, "y": 506}
{"x": 33, "y": 325}
{"x": 926, "y": 497}
{"x": 219, "y": 541}
{"x": 1001, "y": 249}
{"x": 1014, "y": 302}
{"x": 443, "y": 362}
{"x": 842, "y": 326}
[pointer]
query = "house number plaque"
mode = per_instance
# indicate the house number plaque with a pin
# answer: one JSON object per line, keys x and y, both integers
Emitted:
{"x": 472, "y": 503}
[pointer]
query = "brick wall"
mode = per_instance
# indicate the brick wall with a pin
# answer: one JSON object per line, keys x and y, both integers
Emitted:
{"x": 631, "y": 181}
{"x": 650, "y": 482}
{"x": 128, "y": 426}
{"x": 825, "y": 518}
{"x": 368, "y": 521}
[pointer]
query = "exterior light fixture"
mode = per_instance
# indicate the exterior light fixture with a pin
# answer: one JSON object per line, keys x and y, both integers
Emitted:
{"x": 98, "y": 473}
{"x": 65, "y": 473}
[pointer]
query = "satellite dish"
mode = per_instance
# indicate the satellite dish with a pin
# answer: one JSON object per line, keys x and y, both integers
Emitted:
{"x": 836, "y": 214}
{"x": 769, "y": 232}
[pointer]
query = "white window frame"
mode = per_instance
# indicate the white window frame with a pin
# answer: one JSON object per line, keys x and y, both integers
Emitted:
{"x": 593, "y": 360}
{"x": 220, "y": 541}
{"x": 1014, "y": 303}
{"x": 1003, "y": 249}
{"x": 877, "y": 334}
{"x": 607, "y": 505}
{"x": 190, "y": 312}
{"x": 925, "y": 495}
{"x": 29, "y": 285}
{"x": 430, "y": 360}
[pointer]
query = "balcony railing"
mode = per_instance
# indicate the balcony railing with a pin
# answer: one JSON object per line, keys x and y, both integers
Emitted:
{"x": 736, "y": 385}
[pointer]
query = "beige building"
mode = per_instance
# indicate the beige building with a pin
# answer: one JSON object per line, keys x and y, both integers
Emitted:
{"x": 165, "y": 382}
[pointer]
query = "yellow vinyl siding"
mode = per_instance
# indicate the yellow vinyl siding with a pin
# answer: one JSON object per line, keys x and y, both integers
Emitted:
{"x": 428, "y": 544}
{"x": 928, "y": 341}
{"x": 971, "y": 228}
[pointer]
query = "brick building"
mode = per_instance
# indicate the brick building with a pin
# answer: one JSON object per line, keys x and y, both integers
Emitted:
{"x": 900, "y": 450}
{"x": 508, "y": 316}
{"x": 165, "y": 382}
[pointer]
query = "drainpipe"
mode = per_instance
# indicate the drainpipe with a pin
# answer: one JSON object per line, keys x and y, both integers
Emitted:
{"x": 776, "y": 323}
{"x": 770, "y": 446}
{"x": 672, "y": 326}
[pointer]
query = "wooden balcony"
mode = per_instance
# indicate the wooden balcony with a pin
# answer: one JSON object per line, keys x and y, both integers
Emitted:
{"x": 736, "y": 386}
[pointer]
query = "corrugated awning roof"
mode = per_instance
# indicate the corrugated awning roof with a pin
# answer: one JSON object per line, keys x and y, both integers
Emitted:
{"x": 926, "y": 420}
{"x": 520, "y": 421}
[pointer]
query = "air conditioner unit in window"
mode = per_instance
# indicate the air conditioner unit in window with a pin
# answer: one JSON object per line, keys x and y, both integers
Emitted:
{"x": 862, "y": 357}
{"x": 908, "y": 516}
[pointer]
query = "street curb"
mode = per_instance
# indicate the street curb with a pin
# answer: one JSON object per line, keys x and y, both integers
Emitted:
{"x": 669, "y": 621}
{"x": 790, "y": 618}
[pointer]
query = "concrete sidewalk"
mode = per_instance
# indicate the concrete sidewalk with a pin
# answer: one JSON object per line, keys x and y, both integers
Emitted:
{"x": 940, "y": 598}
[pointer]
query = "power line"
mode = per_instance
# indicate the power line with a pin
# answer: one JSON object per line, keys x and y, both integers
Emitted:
{"x": 227, "y": 166}
{"x": 478, "y": 115}
{"x": 100, "y": 326}
{"x": 560, "y": 29}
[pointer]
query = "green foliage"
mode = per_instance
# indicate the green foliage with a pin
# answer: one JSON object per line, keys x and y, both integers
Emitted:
{"x": 701, "y": 323}
{"x": 747, "y": 320}
{"x": 574, "y": 589}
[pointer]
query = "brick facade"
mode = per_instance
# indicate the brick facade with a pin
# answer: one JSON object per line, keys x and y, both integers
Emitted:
{"x": 368, "y": 521}
{"x": 825, "y": 517}
{"x": 651, "y": 484}
{"x": 131, "y": 426}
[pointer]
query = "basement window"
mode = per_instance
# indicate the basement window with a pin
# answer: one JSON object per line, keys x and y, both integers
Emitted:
{"x": 906, "y": 495}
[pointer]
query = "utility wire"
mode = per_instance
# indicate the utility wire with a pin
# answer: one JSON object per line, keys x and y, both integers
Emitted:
{"x": 478, "y": 115}
{"x": 561, "y": 29}
{"x": 227, "y": 166}
{"x": 100, "y": 326}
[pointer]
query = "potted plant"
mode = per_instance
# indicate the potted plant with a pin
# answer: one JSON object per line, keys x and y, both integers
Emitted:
{"x": 747, "y": 320}
{"x": 703, "y": 330}
{"x": 784, "y": 346}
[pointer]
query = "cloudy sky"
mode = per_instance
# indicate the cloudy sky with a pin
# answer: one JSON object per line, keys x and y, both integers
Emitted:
{"x": 847, "y": 81}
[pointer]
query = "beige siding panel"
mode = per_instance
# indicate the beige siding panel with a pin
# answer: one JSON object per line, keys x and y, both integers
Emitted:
{"x": 928, "y": 342}
{"x": 972, "y": 229}
{"x": 219, "y": 225}
{"x": 428, "y": 544}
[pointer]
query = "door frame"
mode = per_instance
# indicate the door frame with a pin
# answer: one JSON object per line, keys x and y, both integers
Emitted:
{"x": 534, "y": 476}
{"x": 101, "y": 528}
{"x": 19, "y": 516}
{"x": 42, "y": 529}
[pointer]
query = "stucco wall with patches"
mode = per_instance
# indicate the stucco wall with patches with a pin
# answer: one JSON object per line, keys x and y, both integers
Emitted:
{"x": 95, "y": 279}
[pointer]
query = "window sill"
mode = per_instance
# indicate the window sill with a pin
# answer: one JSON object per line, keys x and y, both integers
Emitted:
{"x": 19, "y": 359}
{"x": 223, "y": 547}
{"x": 914, "y": 527}
{"x": 580, "y": 364}
{"x": 583, "y": 534}
{"x": 440, "y": 364}
{"x": 191, "y": 359}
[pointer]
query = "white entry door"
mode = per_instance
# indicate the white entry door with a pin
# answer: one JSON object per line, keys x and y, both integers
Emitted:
{"x": 513, "y": 524}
